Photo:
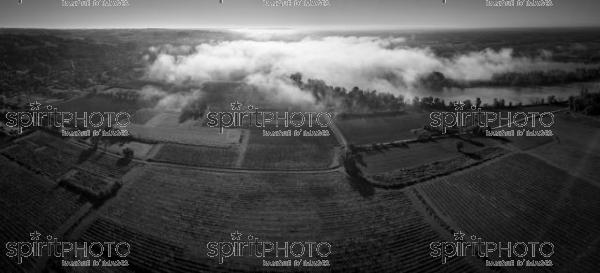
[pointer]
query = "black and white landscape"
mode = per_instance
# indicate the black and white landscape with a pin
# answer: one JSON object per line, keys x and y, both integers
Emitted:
{"x": 282, "y": 147}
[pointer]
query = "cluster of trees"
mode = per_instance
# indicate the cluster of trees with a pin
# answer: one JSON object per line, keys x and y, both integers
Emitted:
{"x": 586, "y": 103}
{"x": 120, "y": 94}
{"x": 430, "y": 103}
{"x": 434, "y": 103}
{"x": 355, "y": 100}
{"x": 436, "y": 81}
{"x": 552, "y": 77}
{"x": 95, "y": 142}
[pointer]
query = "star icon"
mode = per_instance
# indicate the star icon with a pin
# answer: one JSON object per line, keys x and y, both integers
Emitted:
{"x": 236, "y": 236}
{"x": 458, "y": 236}
{"x": 35, "y": 106}
{"x": 236, "y": 106}
{"x": 459, "y": 105}
{"x": 35, "y": 235}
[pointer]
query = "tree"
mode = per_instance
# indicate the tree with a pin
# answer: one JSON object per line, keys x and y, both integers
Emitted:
{"x": 95, "y": 141}
{"x": 351, "y": 161}
{"x": 128, "y": 153}
{"x": 468, "y": 104}
{"x": 415, "y": 101}
{"x": 496, "y": 103}
{"x": 297, "y": 78}
{"x": 571, "y": 103}
{"x": 435, "y": 81}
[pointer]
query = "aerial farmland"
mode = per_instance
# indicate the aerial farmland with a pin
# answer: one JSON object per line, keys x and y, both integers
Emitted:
{"x": 145, "y": 155}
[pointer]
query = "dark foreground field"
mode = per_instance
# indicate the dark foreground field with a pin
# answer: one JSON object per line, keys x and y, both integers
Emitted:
{"x": 169, "y": 213}
{"x": 183, "y": 210}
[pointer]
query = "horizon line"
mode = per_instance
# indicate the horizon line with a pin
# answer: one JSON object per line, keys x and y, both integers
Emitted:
{"x": 332, "y": 28}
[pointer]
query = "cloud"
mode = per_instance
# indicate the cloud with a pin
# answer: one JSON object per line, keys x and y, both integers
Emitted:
{"x": 269, "y": 34}
{"x": 166, "y": 101}
{"x": 281, "y": 89}
{"x": 375, "y": 63}
{"x": 483, "y": 65}
{"x": 150, "y": 92}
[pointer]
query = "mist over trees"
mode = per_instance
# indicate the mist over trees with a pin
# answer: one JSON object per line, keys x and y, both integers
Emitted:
{"x": 437, "y": 81}
{"x": 355, "y": 100}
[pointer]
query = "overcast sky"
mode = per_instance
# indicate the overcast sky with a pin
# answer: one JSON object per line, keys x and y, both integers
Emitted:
{"x": 341, "y": 13}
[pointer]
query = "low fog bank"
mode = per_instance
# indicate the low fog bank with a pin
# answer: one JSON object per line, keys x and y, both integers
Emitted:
{"x": 386, "y": 65}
